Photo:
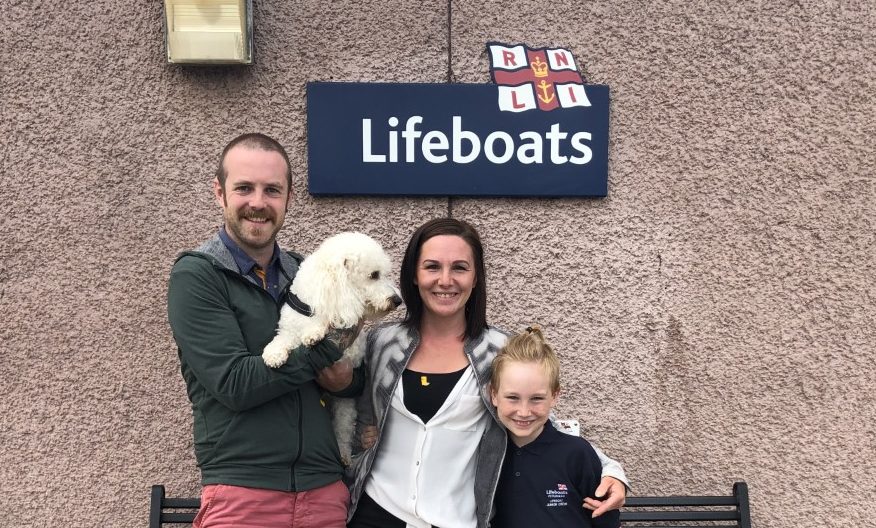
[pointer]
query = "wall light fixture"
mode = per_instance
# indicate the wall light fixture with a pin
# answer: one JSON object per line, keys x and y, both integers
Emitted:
{"x": 208, "y": 31}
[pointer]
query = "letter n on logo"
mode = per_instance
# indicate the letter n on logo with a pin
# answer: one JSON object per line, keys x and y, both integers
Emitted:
{"x": 516, "y": 98}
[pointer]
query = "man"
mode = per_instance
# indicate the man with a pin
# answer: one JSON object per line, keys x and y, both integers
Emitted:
{"x": 263, "y": 438}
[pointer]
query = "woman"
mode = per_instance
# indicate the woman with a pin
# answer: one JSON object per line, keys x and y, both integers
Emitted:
{"x": 439, "y": 446}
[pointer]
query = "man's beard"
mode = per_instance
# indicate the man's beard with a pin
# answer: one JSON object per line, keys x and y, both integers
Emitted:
{"x": 254, "y": 235}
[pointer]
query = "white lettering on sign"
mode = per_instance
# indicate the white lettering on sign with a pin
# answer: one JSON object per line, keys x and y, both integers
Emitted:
{"x": 466, "y": 146}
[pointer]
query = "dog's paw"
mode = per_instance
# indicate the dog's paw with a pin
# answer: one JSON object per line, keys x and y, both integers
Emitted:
{"x": 275, "y": 354}
{"x": 313, "y": 337}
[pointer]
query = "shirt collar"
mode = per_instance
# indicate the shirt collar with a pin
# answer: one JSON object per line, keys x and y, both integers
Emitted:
{"x": 542, "y": 442}
{"x": 244, "y": 262}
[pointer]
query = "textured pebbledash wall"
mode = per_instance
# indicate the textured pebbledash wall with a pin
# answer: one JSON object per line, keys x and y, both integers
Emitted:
{"x": 714, "y": 315}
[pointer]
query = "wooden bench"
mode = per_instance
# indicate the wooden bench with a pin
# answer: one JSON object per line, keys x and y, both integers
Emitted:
{"x": 164, "y": 510}
{"x": 676, "y": 511}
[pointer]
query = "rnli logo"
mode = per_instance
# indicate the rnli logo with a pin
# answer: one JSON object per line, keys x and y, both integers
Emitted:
{"x": 530, "y": 78}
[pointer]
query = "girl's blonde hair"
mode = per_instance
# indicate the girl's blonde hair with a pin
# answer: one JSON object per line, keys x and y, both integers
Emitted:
{"x": 528, "y": 347}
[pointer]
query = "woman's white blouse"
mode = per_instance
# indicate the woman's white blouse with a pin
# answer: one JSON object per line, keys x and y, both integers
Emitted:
{"x": 424, "y": 473}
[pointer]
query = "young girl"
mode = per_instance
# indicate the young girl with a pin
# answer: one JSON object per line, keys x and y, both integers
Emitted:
{"x": 546, "y": 474}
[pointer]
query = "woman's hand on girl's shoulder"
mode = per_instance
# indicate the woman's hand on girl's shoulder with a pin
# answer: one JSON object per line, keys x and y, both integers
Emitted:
{"x": 612, "y": 494}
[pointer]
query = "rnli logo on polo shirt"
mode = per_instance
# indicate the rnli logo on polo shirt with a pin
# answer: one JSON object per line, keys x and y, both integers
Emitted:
{"x": 557, "y": 497}
{"x": 530, "y": 78}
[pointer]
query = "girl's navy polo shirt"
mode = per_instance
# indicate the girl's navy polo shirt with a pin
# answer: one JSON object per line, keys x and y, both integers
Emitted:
{"x": 544, "y": 484}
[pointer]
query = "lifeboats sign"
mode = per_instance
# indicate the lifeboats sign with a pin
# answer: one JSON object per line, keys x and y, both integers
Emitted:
{"x": 538, "y": 131}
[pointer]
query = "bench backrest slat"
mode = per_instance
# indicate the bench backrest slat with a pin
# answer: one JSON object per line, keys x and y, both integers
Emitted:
{"x": 677, "y": 500}
{"x": 681, "y": 516}
{"x": 178, "y": 518}
{"x": 181, "y": 503}
{"x": 673, "y": 525}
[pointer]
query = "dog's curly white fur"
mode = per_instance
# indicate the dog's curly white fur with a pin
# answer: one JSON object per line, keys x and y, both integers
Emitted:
{"x": 345, "y": 281}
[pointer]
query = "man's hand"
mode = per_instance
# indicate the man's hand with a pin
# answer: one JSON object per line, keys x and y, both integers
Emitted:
{"x": 344, "y": 337}
{"x": 368, "y": 437}
{"x": 612, "y": 494}
{"x": 336, "y": 377}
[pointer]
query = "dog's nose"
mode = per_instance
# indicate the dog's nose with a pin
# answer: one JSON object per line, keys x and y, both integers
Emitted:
{"x": 396, "y": 301}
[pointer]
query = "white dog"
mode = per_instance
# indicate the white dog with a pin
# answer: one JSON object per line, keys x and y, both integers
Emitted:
{"x": 341, "y": 284}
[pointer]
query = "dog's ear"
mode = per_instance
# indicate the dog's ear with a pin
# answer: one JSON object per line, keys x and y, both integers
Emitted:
{"x": 339, "y": 299}
{"x": 351, "y": 263}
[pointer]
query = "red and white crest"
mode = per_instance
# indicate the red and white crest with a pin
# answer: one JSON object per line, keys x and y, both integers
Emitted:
{"x": 530, "y": 78}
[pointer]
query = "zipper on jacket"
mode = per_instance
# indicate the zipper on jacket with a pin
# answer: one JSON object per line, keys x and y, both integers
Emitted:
{"x": 300, "y": 440}
{"x": 279, "y": 304}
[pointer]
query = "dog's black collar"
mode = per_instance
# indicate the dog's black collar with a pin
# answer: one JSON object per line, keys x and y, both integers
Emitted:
{"x": 298, "y": 305}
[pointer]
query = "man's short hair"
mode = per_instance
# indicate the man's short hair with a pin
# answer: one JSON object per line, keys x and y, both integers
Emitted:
{"x": 255, "y": 141}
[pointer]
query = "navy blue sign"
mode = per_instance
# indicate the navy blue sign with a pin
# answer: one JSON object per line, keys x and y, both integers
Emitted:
{"x": 453, "y": 140}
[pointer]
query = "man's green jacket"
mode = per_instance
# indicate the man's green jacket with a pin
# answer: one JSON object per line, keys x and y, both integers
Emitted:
{"x": 253, "y": 426}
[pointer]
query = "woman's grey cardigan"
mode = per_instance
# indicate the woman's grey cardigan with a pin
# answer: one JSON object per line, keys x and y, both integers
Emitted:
{"x": 388, "y": 351}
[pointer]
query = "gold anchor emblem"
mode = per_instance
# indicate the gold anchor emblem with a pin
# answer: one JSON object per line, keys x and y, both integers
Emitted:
{"x": 547, "y": 90}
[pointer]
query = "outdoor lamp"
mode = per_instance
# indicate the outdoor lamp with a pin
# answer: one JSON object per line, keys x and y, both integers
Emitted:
{"x": 208, "y": 31}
